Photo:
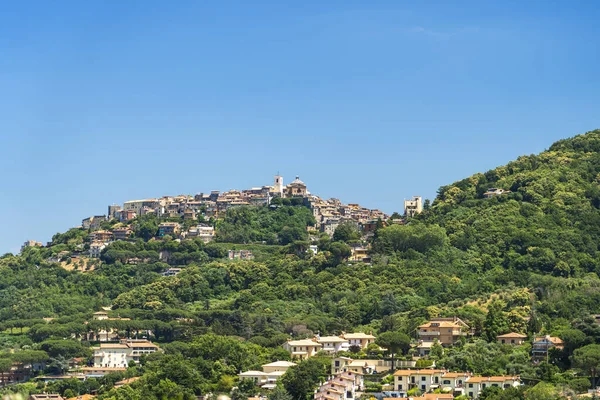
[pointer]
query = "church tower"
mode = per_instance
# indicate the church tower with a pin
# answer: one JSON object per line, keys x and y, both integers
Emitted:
{"x": 278, "y": 186}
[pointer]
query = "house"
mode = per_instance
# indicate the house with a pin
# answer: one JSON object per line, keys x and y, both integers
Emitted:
{"x": 96, "y": 249}
{"x": 359, "y": 339}
{"x": 122, "y": 233}
{"x": 342, "y": 364}
{"x": 424, "y": 348}
{"x": 333, "y": 344}
{"x": 413, "y": 207}
{"x": 189, "y": 213}
{"x": 269, "y": 375}
{"x": 492, "y": 192}
{"x": 93, "y": 222}
{"x": 202, "y": 231}
{"x": 100, "y": 315}
{"x": 512, "y": 338}
{"x": 360, "y": 253}
{"x": 128, "y": 215}
{"x": 458, "y": 383}
{"x": 542, "y": 345}
{"x": 342, "y": 386}
{"x": 302, "y": 349}
{"x": 171, "y": 272}
{"x": 169, "y": 228}
{"x": 474, "y": 385}
{"x": 119, "y": 355}
{"x": 101, "y": 236}
{"x": 446, "y": 330}
{"x": 240, "y": 255}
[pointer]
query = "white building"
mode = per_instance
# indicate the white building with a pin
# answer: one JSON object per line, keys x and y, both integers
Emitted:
{"x": 96, "y": 249}
{"x": 413, "y": 207}
{"x": 333, "y": 344}
{"x": 302, "y": 349}
{"x": 203, "y": 231}
{"x": 267, "y": 378}
{"x": 118, "y": 355}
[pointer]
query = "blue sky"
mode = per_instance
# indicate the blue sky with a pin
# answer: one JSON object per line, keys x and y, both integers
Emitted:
{"x": 370, "y": 102}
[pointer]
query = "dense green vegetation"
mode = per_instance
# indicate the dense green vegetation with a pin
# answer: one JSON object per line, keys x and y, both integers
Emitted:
{"x": 526, "y": 261}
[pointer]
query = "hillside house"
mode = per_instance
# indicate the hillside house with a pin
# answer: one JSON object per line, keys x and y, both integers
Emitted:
{"x": 542, "y": 345}
{"x": 302, "y": 349}
{"x": 446, "y": 330}
{"x": 359, "y": 339}
{"x": 269, "y": 375}
{"x": 333, "y": 344}
{"x": 512, "y": 338}
{"x": 119, "y": 355}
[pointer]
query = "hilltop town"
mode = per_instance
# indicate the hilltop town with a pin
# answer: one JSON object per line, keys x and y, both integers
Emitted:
{"x": 186, "y": 216}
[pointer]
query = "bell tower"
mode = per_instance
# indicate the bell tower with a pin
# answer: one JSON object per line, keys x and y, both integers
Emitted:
{"x": 278, "y": 185}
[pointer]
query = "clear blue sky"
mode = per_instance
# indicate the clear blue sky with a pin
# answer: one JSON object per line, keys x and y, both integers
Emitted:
{"x": 368, "y": 101}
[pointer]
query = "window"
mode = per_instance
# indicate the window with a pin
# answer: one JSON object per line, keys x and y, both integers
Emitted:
{"x": 423, "y": 387}
{"x": 399, "y": 387}
{"x": 423, "y": 378}
{"x": 400, "y": 378}
{"x": 470, "y": 394}
{"x": 348, "y": 395}
{"x": 470, "y": 385}
{"x": 337, "y": 363}
{"x": 437, "y": 380}
{"x": 446, "y": 382}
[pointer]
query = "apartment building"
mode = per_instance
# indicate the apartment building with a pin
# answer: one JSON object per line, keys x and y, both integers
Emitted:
{"x": 446, "y": 330}
{"x": 122, "y": 233}
{"x": 96, "y": 249}
{"x": 302, "y": 349}
{"x": 342, "y": 386}
{"x": 169, "y": 228}
{"x": 458, "y": 383}
{"x": 333, "y": 344}
{"x": 267, "y": 378}
{"x": 543, "y": 344}
{"x": 119, "y": 355}
{"x": 359, "y": 339}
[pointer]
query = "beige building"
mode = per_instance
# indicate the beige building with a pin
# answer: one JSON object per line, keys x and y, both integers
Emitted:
{"x": 269, "y": 375}
{"x": 302, "y": 349}
{"x": 359, "y": 339}
{"x": 513, "y": 339}
{"x": 333, "y": 344}
{"x": 413, "y": 207}
{"x": 122, "y": 233}
{"x": 296, "y": 189}
{"x": 169, "y": 228}
{"x": 446, "y": 330}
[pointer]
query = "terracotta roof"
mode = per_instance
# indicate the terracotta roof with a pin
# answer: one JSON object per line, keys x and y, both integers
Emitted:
{"x": 440, "y": 324}
{"x": 513, "y": 335}
{"x": 552, "y": 339}
{"x": 358, "y": 335}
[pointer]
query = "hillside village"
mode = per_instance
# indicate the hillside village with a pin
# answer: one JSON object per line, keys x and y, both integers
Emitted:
{"x": 275, "y": 293}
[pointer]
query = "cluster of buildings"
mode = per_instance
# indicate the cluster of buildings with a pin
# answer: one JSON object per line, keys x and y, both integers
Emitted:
{"x": 328, "y": 213}
{"x": 305, "y": 348}
{"x": 454, "y": 383}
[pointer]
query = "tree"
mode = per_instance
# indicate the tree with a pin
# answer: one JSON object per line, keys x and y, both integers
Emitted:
{"x": 346, "y": 232}
{"x": 394, "y": 342}
{"x": 279, "y": 393}
{"x": 587, "y": 358}
{"x": 301, "y": 380}
{"x": 495, "y": 322}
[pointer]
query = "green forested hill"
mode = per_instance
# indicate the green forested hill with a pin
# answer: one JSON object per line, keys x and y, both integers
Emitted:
{"x": 524, "y": 261}
{"x": 550, "y": 222}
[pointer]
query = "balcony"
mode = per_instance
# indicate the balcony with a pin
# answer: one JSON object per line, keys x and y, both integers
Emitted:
{"x": 429, "y": 333}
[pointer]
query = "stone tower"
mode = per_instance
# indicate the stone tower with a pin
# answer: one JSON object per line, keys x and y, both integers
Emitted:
{"x": 278, "y": 186}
